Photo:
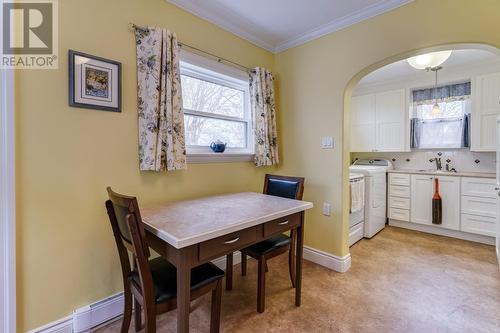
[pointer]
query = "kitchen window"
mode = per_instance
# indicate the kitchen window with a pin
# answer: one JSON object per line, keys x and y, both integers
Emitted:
{"x": 441, "y": 117}
{"x": 216, "y": 107}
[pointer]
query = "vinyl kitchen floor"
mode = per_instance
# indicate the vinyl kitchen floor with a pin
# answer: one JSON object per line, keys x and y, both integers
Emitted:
{"x": 400, "y": 281}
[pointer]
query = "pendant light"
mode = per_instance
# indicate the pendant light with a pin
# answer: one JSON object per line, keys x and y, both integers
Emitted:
{"x": 436, "y": 111}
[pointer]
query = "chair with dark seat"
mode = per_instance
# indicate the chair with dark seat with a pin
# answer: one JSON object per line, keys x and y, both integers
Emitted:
{"x": 152, "y": 284}
{"x": 281, "y": 186}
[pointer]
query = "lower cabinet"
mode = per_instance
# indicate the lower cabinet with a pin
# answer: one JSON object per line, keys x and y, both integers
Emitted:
{"x": 422, "y": 191}
{"x": 477, "y": 224}
{"x": 479, "y": 206}
{"x": 469, "y": 203}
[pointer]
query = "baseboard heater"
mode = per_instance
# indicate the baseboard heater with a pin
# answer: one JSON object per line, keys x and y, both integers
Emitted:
{"x": 87, "y": 318}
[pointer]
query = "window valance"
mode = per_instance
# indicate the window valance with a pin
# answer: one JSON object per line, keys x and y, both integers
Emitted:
{"x": 444, "y": 93}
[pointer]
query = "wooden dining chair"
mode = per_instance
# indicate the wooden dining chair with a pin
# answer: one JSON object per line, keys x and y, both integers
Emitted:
{"x": 281, "y": 186}
{"x": 152, "y": 284}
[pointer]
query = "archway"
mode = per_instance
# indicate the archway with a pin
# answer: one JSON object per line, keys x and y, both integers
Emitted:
{"x": 353, "y": 82}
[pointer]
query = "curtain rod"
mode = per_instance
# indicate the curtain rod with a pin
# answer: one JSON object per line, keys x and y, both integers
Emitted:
{"x": 216, "y": 57}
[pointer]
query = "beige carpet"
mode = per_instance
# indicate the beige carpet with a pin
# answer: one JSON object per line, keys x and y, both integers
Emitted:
{"x": 400, "y": 281}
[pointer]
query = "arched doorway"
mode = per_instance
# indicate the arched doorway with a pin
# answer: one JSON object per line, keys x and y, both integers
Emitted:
{"x": 347, "y": 106}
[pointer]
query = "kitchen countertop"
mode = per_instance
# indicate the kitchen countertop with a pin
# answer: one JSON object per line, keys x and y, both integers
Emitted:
{"x": 444, "y": 173}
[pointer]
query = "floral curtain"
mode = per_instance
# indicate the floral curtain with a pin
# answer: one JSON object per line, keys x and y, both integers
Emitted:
{"x": 159, "y": 101}
{"x": 264, "y": 111}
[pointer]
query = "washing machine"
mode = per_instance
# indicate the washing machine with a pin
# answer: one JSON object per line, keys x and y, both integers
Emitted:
{"x": 375, "y": 173}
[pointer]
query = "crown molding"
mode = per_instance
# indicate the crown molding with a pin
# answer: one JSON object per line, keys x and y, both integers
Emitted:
{"x": 193, "y": 8}
{"x": 335, "y": 25}
{"x": 341, "y": 23}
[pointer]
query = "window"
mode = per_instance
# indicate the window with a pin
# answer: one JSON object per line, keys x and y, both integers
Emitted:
{"x": 216, "y": 107}
{"x": 447, "y": 128}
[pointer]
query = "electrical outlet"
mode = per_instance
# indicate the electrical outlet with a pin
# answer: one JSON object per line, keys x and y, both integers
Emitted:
{"x": 327, "y": 142}
{"x": 326, "y": 208}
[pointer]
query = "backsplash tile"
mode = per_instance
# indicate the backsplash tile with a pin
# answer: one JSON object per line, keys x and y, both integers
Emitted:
{"x": 461, "y": 160}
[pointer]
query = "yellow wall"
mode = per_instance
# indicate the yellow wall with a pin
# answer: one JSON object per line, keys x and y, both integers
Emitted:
{"x": 67, "y": 156}
{"x": 315, "y": 78}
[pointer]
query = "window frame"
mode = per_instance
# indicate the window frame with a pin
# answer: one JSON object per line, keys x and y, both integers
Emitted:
{"x": 467, "y": 109}
{"x": 205, "y": 69}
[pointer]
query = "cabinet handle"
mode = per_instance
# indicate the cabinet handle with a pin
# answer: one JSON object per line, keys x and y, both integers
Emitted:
{"x": 283, "y": 223}
{"x": 232, "y": 240}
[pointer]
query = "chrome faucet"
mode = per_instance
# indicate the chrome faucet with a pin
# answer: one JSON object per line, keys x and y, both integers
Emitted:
{"x": 439, "y": 166}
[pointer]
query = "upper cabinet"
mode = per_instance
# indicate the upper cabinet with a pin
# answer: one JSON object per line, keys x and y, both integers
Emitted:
{"x": 485, "y": 112}
{"x": 363, "y": 123}
{"x": 378, "y": 122}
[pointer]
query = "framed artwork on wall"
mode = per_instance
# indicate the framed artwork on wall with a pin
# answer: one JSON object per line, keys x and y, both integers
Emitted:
{"x": 94, "y": 82}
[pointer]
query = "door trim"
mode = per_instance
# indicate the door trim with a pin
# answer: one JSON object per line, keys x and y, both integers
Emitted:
{"x": 7, "y": 204}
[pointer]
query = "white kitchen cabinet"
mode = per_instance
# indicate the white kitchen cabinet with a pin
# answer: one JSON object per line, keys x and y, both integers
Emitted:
{"x": 486, "y": 108}
{"x": 449, "y": 189}
{"x": 390, "y": 121}
{"x": 378, "y": 122}
{"x": 399, "y": 197}
{"x": 422, "y": 187}
{"x": 363, "y": 123}
{"x": 479, "y": 206}
{"x": 481, "y": 225}
{"x": 421, "y": 199}
{"x": 479, "y": 187}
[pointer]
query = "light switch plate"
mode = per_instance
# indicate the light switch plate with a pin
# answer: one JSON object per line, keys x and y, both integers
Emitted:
{"x": 327, "y": 142}
{"x": 326, "y": 208}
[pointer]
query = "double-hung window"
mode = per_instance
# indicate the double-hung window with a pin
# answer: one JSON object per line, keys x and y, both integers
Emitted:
{"x": 447, "y": 126}
{"x": 216, "y": 108}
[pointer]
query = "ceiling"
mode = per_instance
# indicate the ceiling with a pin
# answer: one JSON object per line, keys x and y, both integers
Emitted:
{"x": 277, "y": 25}
{"x": 401, "y": 69}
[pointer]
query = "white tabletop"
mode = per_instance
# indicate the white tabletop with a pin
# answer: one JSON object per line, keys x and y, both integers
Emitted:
{"x": 189, "y": 222}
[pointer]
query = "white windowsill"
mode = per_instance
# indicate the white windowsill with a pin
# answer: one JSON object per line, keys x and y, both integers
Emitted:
{"x": 226, "y": 157}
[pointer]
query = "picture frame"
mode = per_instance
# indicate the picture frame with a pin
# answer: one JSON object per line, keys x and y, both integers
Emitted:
{"x": 94, "y": 82}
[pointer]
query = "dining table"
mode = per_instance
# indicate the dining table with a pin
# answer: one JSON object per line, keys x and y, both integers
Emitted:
{"x": 192, "y": 232}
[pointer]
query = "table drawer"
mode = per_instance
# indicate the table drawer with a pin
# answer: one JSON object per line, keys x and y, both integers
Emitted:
{"x": 399, "y": 191}
{"x": 225, "y": 244}
{"x": 399, "y": 214}
{"x": 402, "y": 179}
{"x": 402, "y": 203}
{"x": 281, "y": 225}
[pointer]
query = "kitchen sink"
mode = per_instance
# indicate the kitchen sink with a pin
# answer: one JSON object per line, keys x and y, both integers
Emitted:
{"x": 437, "y": 171}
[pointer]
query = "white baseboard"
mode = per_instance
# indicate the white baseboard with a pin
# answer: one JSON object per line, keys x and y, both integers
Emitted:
{"x": 443, "y": 232}
{"x": 339, "y": 264}
{"x": 64, "y": 325}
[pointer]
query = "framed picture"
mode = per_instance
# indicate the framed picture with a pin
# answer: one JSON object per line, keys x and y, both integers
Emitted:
{"x": 94, "y": 82}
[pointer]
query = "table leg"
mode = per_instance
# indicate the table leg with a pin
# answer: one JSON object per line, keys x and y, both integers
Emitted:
{"x": 229, "y": 271}
{"x": 298, "y": 257}
{"x": 183, "y": 295}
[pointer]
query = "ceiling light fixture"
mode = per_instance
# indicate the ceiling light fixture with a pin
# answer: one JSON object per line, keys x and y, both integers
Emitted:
{"x": 429, "y": 60}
